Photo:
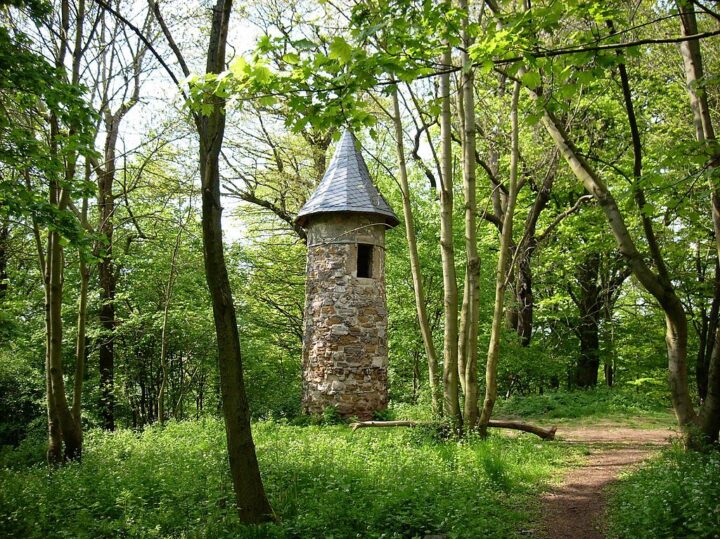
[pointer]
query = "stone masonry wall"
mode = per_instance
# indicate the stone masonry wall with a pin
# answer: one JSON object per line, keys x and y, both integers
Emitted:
{"x": 345, "y": 339}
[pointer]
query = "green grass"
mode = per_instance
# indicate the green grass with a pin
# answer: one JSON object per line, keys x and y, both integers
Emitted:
{"x": 676, "y": 495}
{"x": 617, "y": 405}
{"x": 322, "y": 482}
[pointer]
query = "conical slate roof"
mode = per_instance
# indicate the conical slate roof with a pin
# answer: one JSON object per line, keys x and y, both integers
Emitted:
{"x": 347, "y": 187}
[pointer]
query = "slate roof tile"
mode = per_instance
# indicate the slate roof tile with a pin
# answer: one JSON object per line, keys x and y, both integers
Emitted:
{"x": 347, "y": 187}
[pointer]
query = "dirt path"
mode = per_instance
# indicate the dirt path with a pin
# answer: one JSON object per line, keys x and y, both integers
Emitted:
{"x": 573, "y": 509}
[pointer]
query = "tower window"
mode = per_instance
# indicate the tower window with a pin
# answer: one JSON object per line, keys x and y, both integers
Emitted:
{"x": 364, "y": 260}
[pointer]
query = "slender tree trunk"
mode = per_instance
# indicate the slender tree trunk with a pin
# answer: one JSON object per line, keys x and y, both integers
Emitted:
{"x": 471, "y": 411}
{"x": 106, "y": 209}
{"x": 463, "y": 328}
{"x": 54, "y": 450}
{"x": 464, "y": 321}
{"x": 447, "y": 253}
{"x": 420, "y": 305}
{"x": 609, "y": 370}
{"x": 711, "y": 322}
{"x": 4, "y": 255}
{"x": 106, "y": 277}
{"x": 163, "y": 356}
{"x": 705, "y": 133}
{"x": 166, "y": 310}
{"x": 252, "y": 503}
{"x": 502, "y": 276}
{"x": 80, "y": 343}
{"x": 524, "y": 297}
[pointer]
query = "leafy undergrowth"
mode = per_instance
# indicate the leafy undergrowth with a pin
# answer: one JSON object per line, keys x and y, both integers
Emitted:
{"x": 676, "y": 495}
{"x": 624, "y": 405}
{"x": 322, "y": 482}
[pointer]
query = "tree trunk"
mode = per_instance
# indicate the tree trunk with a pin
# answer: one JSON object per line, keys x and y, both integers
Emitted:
{"x": 80, "y": 346}
{"x": 62, "y": 426}
{"x": 501, "y": 276}
{"x": 590, "y": 308}
{"x": 106, "y": 210}
{"x": 106, "y": 278}
{"x": 472, "y": 308}
{"x": 53, "y": 454}
{"x": 252, "y": 503}
{"x": 163, "y": 354}
{"x": 707, "y": 326}
{"x": 712, "y": 329}
{"x": 447, "y": 253}
{"x": 524, "y": 253}
{"x": 657, "y": 285}
{"x": 4, "y": 255}
{"x": 710, "y": 411}
{"x": 525, "y": 299}
{"x": 609, "y": 370}
{"x": 462, "y": 331}
{"x": 586, "y": 370}
{"x": 420, "y": 305}
{"x": 705, "y": 133}
{"x": 54, "y": 450}
{"x": 166, "y": 310}
{"x": 69, "y": 428}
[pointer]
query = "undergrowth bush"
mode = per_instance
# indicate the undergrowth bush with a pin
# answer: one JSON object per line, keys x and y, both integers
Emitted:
{"x": 676, "y": 495}
{"x": 321, "y": 481}
{"x": 604, "y": 401}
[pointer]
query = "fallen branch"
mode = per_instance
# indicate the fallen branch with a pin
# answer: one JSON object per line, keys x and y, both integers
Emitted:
{"x": 545, "y": 434}
{"x": 363, "y": 424}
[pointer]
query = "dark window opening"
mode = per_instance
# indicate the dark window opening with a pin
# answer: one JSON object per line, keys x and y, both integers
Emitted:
{"x": 364, "y": 260}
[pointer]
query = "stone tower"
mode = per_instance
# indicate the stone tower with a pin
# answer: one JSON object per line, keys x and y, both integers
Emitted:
{"x": 345, "y": 339}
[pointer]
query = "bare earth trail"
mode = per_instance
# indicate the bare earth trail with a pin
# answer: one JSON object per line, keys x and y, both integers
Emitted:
{"x": 574, "y": 508}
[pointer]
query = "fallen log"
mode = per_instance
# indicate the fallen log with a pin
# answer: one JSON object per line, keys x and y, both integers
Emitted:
{"x": 545, "y": 434}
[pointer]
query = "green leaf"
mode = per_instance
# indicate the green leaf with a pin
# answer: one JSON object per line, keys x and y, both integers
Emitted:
{"x": 534, "y": 117}
{"x": 340, "y": 50}
{"x": 567, "y": 90}
{"x": 239, "y": 67}
{"x": 291, "y": 58}
{"x": 267, "y": 100}
{"x": 531, "y": 79}
{"x": 585, "y": 77}
{"x": 261, "y": 73}
{"x": 304, "y": 44}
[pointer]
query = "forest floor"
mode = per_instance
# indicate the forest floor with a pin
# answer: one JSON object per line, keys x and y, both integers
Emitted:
{"x": 575, "y": 508}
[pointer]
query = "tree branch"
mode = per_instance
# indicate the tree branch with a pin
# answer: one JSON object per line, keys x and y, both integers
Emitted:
{"x": 579, "y": 202}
